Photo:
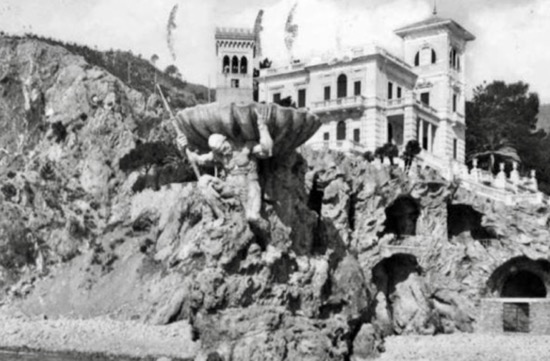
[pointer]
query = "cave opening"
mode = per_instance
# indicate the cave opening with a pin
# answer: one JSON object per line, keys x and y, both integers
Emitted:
{"x": 524, "y": 284}
{"x": 464, "y": 218}
{"x": 394, "y": 278}
{"x": 402, "y": 216}
{"x": 520, "y": 277}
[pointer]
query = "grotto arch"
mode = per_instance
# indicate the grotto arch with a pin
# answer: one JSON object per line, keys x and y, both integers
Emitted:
{"x": 464, "y": 218}
{"x": 402, "y": 216}
{"x": 520, "y": 277}
{"x": 399, "y": 302}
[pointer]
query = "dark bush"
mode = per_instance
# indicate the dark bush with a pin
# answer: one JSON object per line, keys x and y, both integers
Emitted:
{"x": 412, "y": 149}
{"x": 59, "y": 131}
{"x": 47, "y": 172}
{"x": 9, "y": 191}
{"x": 368, "y": 156}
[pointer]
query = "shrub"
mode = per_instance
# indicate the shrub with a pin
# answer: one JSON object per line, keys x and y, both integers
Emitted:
{"x": 368, "y": 156}
{"x": 412, "y": 149}
{"x": 9, "y": 191}
{"x": 59, "y": 131}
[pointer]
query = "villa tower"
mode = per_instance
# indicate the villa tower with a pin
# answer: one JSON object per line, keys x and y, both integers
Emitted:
{"x": 436, "y": 49}
{"x": 235, "y": 50}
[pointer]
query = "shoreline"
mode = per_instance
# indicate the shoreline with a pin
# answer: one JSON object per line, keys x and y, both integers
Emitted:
{"x": 98, "y": 339}
{"x": 84, "y": 356}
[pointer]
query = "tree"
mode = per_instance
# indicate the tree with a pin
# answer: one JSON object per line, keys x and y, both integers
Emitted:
{"x": 147, "y": 155}
{"x": 368, "y": 156}
{"x": 171, "y": 70}
{"x": 380, "y": 153}
{"x": 500, "y": 121}
{"x": 412, "y": 149}
{"x": 391, "y": 151}
{"x": 265, "y": 64}
{"x": 501, "y": 125}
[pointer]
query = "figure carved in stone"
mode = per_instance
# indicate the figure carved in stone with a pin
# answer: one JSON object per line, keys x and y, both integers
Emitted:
{"x": 239, "y": 161}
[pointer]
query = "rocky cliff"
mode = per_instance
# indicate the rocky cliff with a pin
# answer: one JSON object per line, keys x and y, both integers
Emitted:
{"x": 355, "y": 251}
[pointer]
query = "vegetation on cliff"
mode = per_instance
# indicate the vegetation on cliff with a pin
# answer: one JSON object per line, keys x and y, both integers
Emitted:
{"x": 501, "y": 126}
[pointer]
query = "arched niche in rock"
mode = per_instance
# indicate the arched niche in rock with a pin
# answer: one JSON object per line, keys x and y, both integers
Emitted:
{"x": 402, "y": 216}
{"x": 464, "y": 218}
{"x": 520, "y": 277}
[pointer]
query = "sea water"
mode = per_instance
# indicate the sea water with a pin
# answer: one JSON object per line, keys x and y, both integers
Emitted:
{"x": 37, "y": 356}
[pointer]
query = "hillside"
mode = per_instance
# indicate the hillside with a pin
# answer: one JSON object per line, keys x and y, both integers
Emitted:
{"x": 354, "y": 251}
{"x": 136, "y": 72}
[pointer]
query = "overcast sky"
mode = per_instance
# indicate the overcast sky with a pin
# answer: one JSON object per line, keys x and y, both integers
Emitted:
{"x": 510, "y": 45}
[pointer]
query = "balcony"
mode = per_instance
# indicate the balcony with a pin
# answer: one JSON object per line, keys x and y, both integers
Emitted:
{"x": 345, "y": 146}
{"x": 426, "y": 107}
{"x": 396, "y": 103}
{"x": 348, "y": 103}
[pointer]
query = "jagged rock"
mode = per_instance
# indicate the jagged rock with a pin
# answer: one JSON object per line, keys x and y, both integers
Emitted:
{"x": 354, "y": 250}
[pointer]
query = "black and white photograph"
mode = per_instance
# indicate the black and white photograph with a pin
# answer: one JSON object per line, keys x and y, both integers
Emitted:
{"x": 274, "y": 180}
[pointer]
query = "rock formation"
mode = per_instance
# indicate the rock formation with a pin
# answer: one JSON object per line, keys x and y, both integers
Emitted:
{"x": 356, "y": 250}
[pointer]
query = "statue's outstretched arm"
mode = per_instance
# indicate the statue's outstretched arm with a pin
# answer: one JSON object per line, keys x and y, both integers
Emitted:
{"x": 264, "y": 149}
{"x": 202, "y": 159}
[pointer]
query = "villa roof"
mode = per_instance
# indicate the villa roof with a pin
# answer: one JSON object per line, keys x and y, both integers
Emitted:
{"x": 434, "y": 22}
{"x": 235, "y": 33}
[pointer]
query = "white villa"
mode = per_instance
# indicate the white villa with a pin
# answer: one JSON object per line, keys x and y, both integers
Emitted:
{"x": 367, "y": 97}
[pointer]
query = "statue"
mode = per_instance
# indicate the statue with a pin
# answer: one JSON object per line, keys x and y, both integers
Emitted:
{"x": 239, "y": 161}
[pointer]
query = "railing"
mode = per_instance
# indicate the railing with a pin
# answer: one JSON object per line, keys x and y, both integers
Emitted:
{"x": 339, "y": 103}
{"x": 345, "y": 145}
{"x": 509, "y": 190}
{"x": 426, "y": 106}
{"x": 396, "y": 102}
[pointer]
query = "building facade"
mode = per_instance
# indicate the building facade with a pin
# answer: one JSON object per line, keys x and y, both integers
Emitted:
{"x": 367, "y": 97}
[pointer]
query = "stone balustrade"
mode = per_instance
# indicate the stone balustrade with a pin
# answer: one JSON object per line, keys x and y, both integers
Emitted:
{"x": 345, "y": 145}
{"x": 512, "y": 189}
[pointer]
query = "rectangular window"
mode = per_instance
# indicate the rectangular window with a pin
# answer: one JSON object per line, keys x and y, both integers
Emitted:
{"x": 301, "y": 98}
{"x": 327, "y": 93}
{"x": 276, "y": 97}
{"x": 390, "y": 90}
{"x": 398, "y": 92}
{"x": 455, "y": 149}
{"x": 425, "y": 98}
{"x": 326, "y": 136}
{"x": 357, "y": 88}
{"x": 455, "y": 99}
{"x": 356, "y": 135}
{"x": 234, "y": 83}
{"x": 425, "y": 126}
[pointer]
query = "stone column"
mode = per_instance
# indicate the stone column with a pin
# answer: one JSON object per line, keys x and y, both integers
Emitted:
{"x": 421, "y": 132}
{"x": 430, "y": 137}
{"x": 409, "y": 124}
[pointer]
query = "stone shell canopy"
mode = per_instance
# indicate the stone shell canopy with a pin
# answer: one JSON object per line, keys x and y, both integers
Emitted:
{"x": 288, "y": 127}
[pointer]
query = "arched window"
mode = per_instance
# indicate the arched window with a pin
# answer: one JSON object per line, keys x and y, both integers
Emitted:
{"x": 235, "y": 65}
{"x": 434, "y": 57}
{"x": 244, "y": 65}
{"x": 417, "y": 59}
{"x": 341, "y": 130}
{"x": 225, "y": 64}
{"x": 454, "y": 61}
{"x": 342, "y": 86}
